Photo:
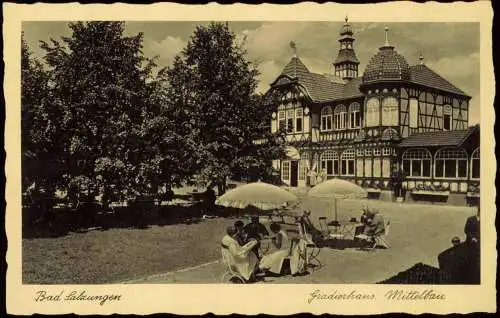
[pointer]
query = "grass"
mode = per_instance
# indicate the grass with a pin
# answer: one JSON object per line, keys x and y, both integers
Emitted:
{"x": 114, "y": 255}
{"x": 418, "y": 234}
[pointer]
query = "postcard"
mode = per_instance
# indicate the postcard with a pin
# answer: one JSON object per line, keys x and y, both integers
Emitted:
{"x": 249, "y": 159}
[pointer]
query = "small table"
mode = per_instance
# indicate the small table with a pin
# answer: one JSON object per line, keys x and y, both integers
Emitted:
{"x": 343, "y": 229}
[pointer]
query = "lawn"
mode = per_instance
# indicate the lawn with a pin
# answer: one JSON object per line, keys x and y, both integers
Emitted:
{"x": 98, "y": 257}
{"x": 418, "y": 234}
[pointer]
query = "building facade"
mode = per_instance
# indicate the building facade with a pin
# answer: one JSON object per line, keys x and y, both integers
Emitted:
{"x": 361, "y": 127}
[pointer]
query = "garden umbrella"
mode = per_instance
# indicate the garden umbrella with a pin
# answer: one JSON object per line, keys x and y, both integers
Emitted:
{"x": 337, "y": 189}
{"x": 261, "y": 195}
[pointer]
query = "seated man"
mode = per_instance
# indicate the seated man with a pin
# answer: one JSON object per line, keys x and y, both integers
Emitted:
{"x": 257, "y": 231}
{"x": 239, "y": 258}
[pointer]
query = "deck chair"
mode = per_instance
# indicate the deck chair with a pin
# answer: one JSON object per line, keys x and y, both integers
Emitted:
{"x": 381, "y": 240}
{"x": 327, "y": 234}
{"x": 312, "y": 259}
{"x": 230, "y": 275}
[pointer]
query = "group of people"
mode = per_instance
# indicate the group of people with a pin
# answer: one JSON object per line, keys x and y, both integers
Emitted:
{"x": 241, "y": 248}
{"x": 461, "y": 263}
{"x": 373, "y": 225}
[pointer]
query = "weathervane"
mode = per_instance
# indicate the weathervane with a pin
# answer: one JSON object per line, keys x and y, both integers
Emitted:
{"x": 294, "y": 48}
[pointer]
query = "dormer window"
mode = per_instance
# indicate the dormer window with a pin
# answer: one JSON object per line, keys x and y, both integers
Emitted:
{"x": 326, "y": 118}
{"x": 340, "y": 117}
{"x": 354, "y": 116}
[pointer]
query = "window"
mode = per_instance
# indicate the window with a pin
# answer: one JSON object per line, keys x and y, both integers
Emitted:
{"x": 368, "y": 152}
{"x": 386, "y": 151}
{"x": 285, "y": 170}
{"x": 377, "y": 151}
{"x": 281, "y": 120}
{"x": 372, "y": 112}
{"x": 354, "y": 116}
{"x": 298, "y": 119}
{"x": 475, "y": 165}
{"x": 451, "y": 163}
{"x": 389, "y": 111}
{"x": 330, "y": 162}
{"x": 360, "y": 152}
{"x": 447, "y": 117}
{"x": 326, "y": 118}
{"x": 303, "y": 165}
{"x": 289, "y": 121}
{"x": 417, "y": 163}
{"x": 340, "y": 117}
{"x": 347, "y": 162}
{"x": 413, "y": 113}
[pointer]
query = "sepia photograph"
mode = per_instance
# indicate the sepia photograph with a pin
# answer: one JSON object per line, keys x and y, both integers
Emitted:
{"x": 250, "y": 152}
{"x": 253, "y": 152}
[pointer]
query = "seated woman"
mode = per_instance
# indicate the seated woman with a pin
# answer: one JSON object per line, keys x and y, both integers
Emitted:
{"x": 273, "y": 261}
{"x": 239, "y": 258}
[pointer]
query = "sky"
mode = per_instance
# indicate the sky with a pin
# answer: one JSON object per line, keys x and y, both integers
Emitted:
{"x": 450, "y": 49}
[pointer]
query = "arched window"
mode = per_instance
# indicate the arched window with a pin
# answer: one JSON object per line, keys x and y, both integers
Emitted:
{"x": 354, "y": 115}
{"x": 450, "y": 163}
{"x": 372, "y": 112}
{"x": 417, "y": 162}
{"x": 304, "y": 165}
{"x": 389, "y": 111}
{"x": 330, "y": 162}
{"x": 340, "y": 117}
{"x": 475, "y": 165}
{"x": 347, "y": 162}
{"x": 326, "y": 118}
{"x": 447, "y": 117}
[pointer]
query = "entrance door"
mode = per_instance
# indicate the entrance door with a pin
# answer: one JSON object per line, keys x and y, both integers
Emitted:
{"x": 294, "y": 172}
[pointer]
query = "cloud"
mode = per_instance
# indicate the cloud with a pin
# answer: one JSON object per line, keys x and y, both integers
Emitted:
{"x": 269, "y": 70}
{"x": 166, "y": 49}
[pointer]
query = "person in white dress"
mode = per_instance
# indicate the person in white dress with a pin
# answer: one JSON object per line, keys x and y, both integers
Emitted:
{"x": 239, "y": 258}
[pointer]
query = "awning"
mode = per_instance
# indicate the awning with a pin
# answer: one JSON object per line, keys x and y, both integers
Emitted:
{"x": 454, "y": 138}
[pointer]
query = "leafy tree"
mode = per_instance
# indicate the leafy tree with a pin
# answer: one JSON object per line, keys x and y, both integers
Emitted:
{"x": 100, "y": 82}
{"x": 39, "y": 125}
{"x": 211, "y": 92}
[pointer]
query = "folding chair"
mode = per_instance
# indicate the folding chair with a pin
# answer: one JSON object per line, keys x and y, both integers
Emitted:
{"x": 314, "y": 250}
{"x": 327, "y": 234}
{"x": 381, "y": 240}
{"x": 230, "y": 274}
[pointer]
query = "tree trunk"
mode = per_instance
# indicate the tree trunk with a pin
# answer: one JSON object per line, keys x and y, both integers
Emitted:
{"x": 221, "y": 186}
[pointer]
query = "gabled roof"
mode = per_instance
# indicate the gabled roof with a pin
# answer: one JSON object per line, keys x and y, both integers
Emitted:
{"x": 454, "y": 138}
{"x": 319, "y": 87}
{"x": 423, "y": 75}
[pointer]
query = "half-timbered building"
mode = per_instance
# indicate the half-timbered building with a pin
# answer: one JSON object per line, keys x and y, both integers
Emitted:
{"x": 361, "y": 127}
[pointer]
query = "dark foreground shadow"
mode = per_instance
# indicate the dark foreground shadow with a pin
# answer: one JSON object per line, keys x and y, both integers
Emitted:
{"x": 417, "y": 274}
{"x": 458, "y": 265}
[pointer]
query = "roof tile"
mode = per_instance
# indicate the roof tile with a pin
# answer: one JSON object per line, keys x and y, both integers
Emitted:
{"x": 438, "y": 138}
{"x": 423, "y": 75}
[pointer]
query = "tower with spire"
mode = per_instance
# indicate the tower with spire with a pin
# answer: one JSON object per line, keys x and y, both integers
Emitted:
{"x": 346, "y": 63}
